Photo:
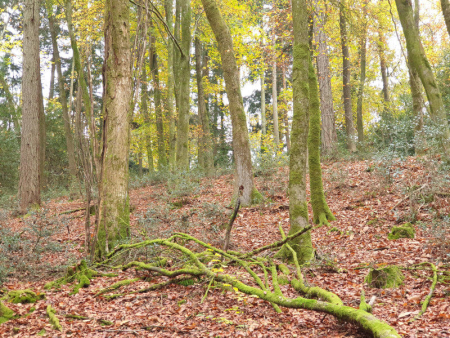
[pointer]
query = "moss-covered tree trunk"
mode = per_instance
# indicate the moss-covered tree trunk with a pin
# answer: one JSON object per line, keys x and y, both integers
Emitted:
{"x": 329, "y": 136}
{"x": 276, "y": 133}
{"x": 162, "y": 156}
{"x": 420, "y": 143}
{"x": 183, "y": 77}
{"x": 114, "y": 214}
{"x": 205, "y": 149}
{"x": 362, "y": 74}
{"x": 349, "y": 125}
{"x": 73, "y": 181}
{"x": 241, "y": 144}
{"x": 419, "y": 62}
{"x": 285, "y": 115}
{"x": 168, "y": 4}
{"x": 29, "y": 193}
{"x": 321, "y": 211}
{"x": 298, "y": 210}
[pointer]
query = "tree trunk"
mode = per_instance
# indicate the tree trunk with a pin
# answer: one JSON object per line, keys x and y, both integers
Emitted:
{"x": 162, "y": 156}
{"x": 420, "y": 143}
{"x": 10, "y": 104}
{"x": 349, "y": 127}
{"x": 286, "y": 119}
{"x": 84, "y": 89}
{"x": 329, "y": 137}
{"x": 241, "y": 144}
{"x": 52, "y": 80}
{"x": 362, "y": 76}
{"x": 263, "y": 105}
{"x": 144, "y": 110}
{"x": 276, "y": 134}
{"x": 445, "y": 5}
{"x": 298, "y": 209}
{"x": 419, "y": 62}
{"x": 73, "y": 181}
{"x": 30, "y": 150}
{"x": 321, "y": 211}
{"x": 205, "y": 150}
{"x": 182, "y": 95}
{"x": 114, "y": 214}
{"x": 170, "y": 86}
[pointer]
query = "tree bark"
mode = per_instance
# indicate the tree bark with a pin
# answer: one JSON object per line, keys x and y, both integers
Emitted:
{"x": 445, "y": 5}
{"x": 73, "y": 181}
{"x": 30, "y": 154}
{"x": 328, "y": 135}
{"x": 205, "y": 150}
{"x": 114, "y": 214}
{"x": 349, "y": 126}
{"x": 162, "y": 156}
{"x": 420, "y": 142}
{"x": 241, "y": 144}
{"x": 84, "y": 88}
{"x": 419, "y": 62}
{"x": 321, "y": 211}
{"x": 286, "y": 119}
{"x": 182, "y": 96}
{"x": 298, "y": 209}
{"x": 144, "y": 109}
{"x": 263, "y": 105}
{"x": 362, "y": 74}
{"x": 276, "y": 133}
{"x": 170, "y": 86}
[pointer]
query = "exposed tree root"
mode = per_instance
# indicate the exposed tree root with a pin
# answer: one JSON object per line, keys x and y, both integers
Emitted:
{"x": 430, "y": 294}
{"x": 207, "y": 265}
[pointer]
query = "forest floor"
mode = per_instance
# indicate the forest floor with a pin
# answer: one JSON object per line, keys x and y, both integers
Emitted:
{"x": 367, "y": 198}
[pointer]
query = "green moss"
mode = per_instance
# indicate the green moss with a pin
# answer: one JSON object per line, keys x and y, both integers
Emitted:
{"x": 23, "y": 296}
{"x": 283, "y": 280}
{"x": 302, "y": 245}
{"x": 404, "y": 231}
{"x": 363, "y": 305}
{"x": 385, "y": 278}
{"x": 76, "y": 317}
{"x": 51, "y": 313}
{"x": 257, "y": 197}
{"x": 321, "y": 212}
{"x": 5, "y": 313}
{"x": 284, "y": 269}
{"x": 334, "y": 229}
{"x": 186, "y": 282}
{"x": 300, "y": 210}
{"x": 80, "y": 272}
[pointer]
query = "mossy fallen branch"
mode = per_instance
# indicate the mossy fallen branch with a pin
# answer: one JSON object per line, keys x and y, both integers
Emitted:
{"x": 203, "y": 265}
{"x": 117, "y": 285}
{"x": 51, "y": 313}
{"x": 430, "y": 294}
{"x": 80, "y": 272}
